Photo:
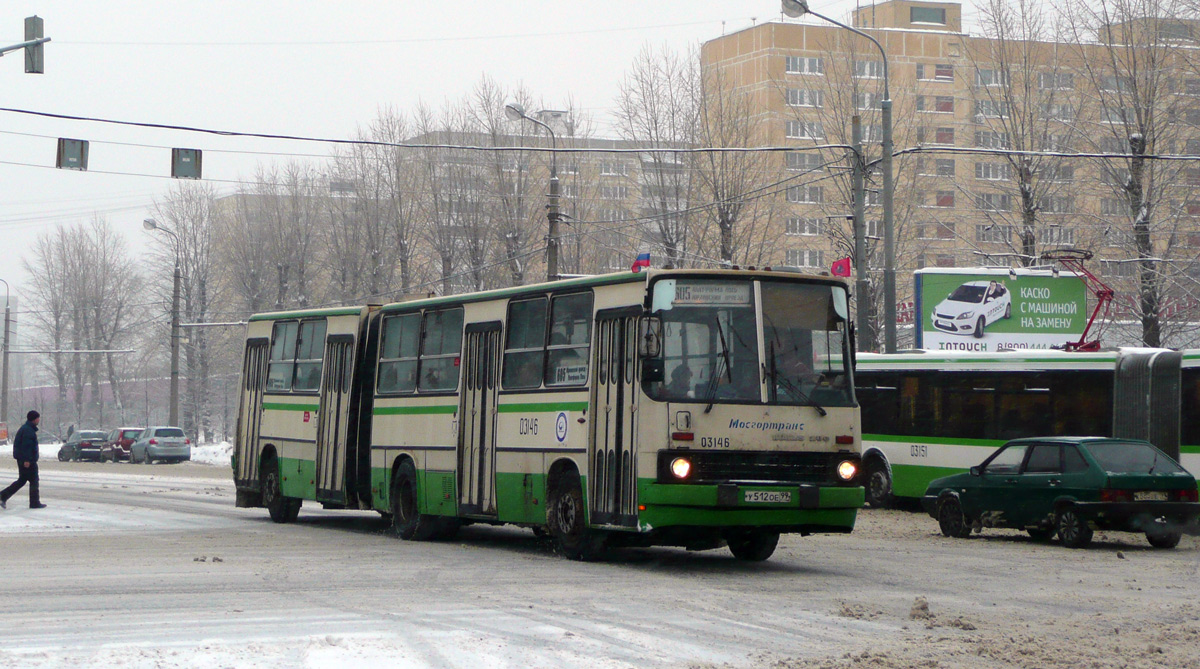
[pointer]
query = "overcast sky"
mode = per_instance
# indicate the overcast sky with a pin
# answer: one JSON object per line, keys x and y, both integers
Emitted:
{"x": 310, "y": 68}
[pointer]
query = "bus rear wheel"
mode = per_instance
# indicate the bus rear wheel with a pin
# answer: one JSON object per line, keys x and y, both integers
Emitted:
{"x": 408, "y": 522}
{"x": 753, "y": 545}
{"x": 567, "y": 522}
{"x": 879, "y": 484}
{"x": 282, "y": 509}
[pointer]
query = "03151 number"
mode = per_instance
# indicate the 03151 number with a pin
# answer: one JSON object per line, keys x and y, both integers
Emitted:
{"x": 918, "y": 451}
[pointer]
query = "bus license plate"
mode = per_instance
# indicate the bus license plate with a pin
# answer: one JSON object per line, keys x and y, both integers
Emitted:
{"x": 769, "y": 497}
{"x": 1150, "y": 496}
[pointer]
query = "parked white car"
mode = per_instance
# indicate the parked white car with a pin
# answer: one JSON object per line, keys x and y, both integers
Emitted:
{"x": 972, "y": 306}
{"x": 167, "y": 444}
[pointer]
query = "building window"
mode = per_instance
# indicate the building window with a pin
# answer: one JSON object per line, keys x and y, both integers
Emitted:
{"x": 1058, "y": 112}
{"x": 875, "y": 228}
{"x": 614, "y": 192}
{"x": 1114, "y": 84}
{"x": 935, "y": 230}
{"x": 1058, "y": 236}
{"x": 993, "y": 234}
{"x": 991, "y": 139}
{"x": 805, "y": 258}
{"x": 988, "y": 77}
{"x": 804, "y": 227}
{"x": 940, "y": 136}
{"x": 1058, "y": 173}
{"x": 991, "y": 109}
{"x": 940, "y": 167}
{"x": 803, "y": 97}
{"x": 944, "y": 260}
{"x": 1117, "y": 268}
{"x": 868, "y": 69}
{"x": 993, "y": 171}
{"x": 806, "y": 194}
{"x": 993, "y": 201}
{"x": 614, "y": 169}
{"x": 942, "y": 104}
{"x": 1121, "y": 115}
{"x": 805, "y": 130}
{"x": 873, "y": 133}
{"x": 1191, "y": 87}
{"x": 939, "y": 72}
{"x": 864, "y": 101}
{"x": 805, "y": 161}
{"x": 934, "y": 15}
{"x": 1057, "y": 204}
{"x": 804, "y": 65}
{"x": 1111, "y": 206}
{"x": 569, "y": 168}
{"x": 1056, "y": 81}
{"x": 569, "y": 190}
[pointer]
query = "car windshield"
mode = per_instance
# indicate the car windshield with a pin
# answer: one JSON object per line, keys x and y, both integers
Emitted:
{"x": 1127, "y": 457}
{"x": 88, "y": 435}
{"x": 168, "y": 432}
{"x": 968, "y": 293}
{"x": 1008, "y": 460}
{"x": 130, "y": 434}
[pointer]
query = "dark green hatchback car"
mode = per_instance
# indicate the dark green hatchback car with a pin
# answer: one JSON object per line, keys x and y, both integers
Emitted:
{"x": 1069, "y": 486}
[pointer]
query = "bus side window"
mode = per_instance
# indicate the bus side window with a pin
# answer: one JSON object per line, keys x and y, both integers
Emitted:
{"x": 283, "y": 355}
{"x": 525, "y": 344}
{"x": 441, "y": 346}
{"x": 398, "y": 354}
{"x": 310, "y": 355}
{"x": 570, "y": 335}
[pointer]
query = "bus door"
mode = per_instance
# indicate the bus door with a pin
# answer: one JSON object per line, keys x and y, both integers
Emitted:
{"x": 612, "y": 443}
{"x": 477, "y": 420}
{"x": 254, "y": 382}
{"x": 333, "y": 419}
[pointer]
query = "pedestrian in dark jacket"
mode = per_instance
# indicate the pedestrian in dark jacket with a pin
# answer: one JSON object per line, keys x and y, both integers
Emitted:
{"x": 25, "y": 451}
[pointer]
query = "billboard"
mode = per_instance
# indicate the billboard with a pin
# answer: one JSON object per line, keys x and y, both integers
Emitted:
{"x": 989, "y": 309}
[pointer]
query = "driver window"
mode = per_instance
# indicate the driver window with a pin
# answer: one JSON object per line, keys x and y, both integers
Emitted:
{"x": 1007, "y": 461}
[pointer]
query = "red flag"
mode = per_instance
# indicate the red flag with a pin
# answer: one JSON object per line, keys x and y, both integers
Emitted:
{"x": 841, "y": 267}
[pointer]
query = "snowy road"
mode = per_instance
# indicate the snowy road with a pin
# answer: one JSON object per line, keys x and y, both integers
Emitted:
{"x": 153, "y": 566}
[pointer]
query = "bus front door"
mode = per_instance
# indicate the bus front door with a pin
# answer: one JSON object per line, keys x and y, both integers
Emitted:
{"x": 477, "y": 420}
{"x": 612, "y": 446}
{"x": 254, "y": 381}
{"x": 333, "y": 419}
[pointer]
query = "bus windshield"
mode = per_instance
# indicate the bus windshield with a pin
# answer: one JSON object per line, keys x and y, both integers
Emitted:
{"x": 711, "y": 350}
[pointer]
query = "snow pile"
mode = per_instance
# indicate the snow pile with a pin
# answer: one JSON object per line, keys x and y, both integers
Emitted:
{"x": 218, "y": 454}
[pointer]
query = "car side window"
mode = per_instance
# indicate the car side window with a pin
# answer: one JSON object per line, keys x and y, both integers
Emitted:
{"x": 1073, "y": 462}
{"x": 1007, "y": 461}
{"x": 1044, "y": 459}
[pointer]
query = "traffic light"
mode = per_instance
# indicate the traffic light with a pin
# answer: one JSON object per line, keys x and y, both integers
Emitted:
{"x": 34, "y": 54}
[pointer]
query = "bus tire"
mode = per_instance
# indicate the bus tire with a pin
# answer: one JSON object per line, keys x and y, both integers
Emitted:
{"x": 980, "y": 323}
{"x": 753, "y": 545}
{"x": 408, "y": 522}
{"x": 1073, "y": 529}
{"x": 282, "y": 509}
{"x": 567, "y": 521}
{"x": 878, "y": 483}
{"x": 951, "y": 519}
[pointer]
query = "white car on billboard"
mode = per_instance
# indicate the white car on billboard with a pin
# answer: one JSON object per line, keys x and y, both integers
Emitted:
{"x": 972, "y": 306}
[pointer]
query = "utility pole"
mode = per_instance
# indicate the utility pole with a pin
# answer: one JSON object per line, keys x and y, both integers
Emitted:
{"x": 516, "y": 112}
{"x": 4, "y": 382}
{"x": 174, "y": 419}
{"x": 862, "y": 287}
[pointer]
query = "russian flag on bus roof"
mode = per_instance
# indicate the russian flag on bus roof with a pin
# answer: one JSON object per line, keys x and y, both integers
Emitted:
{"x": 643, "y": 260}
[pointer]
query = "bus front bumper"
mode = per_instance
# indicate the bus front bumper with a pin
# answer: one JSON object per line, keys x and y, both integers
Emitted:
{"x": 804, "y": 508}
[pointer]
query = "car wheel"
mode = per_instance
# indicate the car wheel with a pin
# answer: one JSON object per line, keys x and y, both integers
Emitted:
{"x": 282, "y": 509}
{"x": 1073, "y": 529}
{"x": 753, "y": 545}
{"x": 1041, "y": 533}
{"x": 1164, "y": 538}
{"x": 62, "y": 457}
{"x": 879, "y": 484}
{"x": 951, "y": 519}
{"x": 979, "y": 323}
{"x": 566, "y": 520}
{"x": 1008, "y": 310}
{"x": 408, "y": 522}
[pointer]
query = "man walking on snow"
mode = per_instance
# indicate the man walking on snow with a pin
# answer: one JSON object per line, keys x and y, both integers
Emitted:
{"x": 25, "y": 450}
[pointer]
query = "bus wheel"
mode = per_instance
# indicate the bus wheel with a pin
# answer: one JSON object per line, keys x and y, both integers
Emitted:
{"x": 979, "y": 324}
{"x": 407, "y": 522}
{"x": 282, "y": 509}
{"x": 753, "y": 545}
{"x": 879, "y": 484}
{"x": 952, "y": 520}
{"x": 566, "y": 520}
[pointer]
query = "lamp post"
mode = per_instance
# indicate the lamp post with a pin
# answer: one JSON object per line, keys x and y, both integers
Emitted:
{"x": 796, "y": 9}
{"x": 516, "y": 112}
{"x": 151, "y": 224}
{"x": 4, "y": 382}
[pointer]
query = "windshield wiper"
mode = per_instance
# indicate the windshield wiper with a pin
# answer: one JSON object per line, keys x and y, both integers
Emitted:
{"x": 711, "y": 393}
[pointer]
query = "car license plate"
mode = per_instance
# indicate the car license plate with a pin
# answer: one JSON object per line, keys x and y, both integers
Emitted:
{"x": 1150, "y": 496}
{"x": 768, "y": 497}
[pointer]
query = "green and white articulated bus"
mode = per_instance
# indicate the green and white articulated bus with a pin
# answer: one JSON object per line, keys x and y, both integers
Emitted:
{"x": 687, "y": 408}
{"x": 929, "y": 414}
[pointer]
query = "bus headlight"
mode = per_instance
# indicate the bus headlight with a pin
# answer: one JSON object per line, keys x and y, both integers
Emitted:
{"x": 681, "y": 467}
{"x": 846, "y": 470}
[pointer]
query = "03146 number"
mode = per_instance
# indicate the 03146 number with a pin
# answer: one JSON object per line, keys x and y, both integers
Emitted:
{"x": 714, "y": 442}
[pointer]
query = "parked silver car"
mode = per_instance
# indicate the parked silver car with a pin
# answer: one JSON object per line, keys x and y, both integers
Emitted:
{"x": 166, "y": 444}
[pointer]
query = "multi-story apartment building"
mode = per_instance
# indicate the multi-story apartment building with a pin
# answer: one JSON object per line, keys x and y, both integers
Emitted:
{"x": 963, "y": 104}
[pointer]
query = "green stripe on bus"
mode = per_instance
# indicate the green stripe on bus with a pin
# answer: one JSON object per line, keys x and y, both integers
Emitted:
{"x": 538, "y": 407}
{"x": 279, "y": 406}
{"x": 1189, "y": 449}
{"x": 935, "y": 440}
{"x": 409, "y": 411}
{"x": 972, "y": 361}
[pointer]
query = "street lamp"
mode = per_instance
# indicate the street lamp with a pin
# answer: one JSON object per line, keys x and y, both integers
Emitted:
{"x": 796, "y": 9}
{"x": 4, "y": 383}
{"x": 152, "y": 225}
{"x": 516, "y": 112}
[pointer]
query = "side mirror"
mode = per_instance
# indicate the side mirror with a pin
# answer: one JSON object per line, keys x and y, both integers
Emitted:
{"x": 653, "y": 370}
{"x": 976, "y": 470}
{"x": 649, "y": 336}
